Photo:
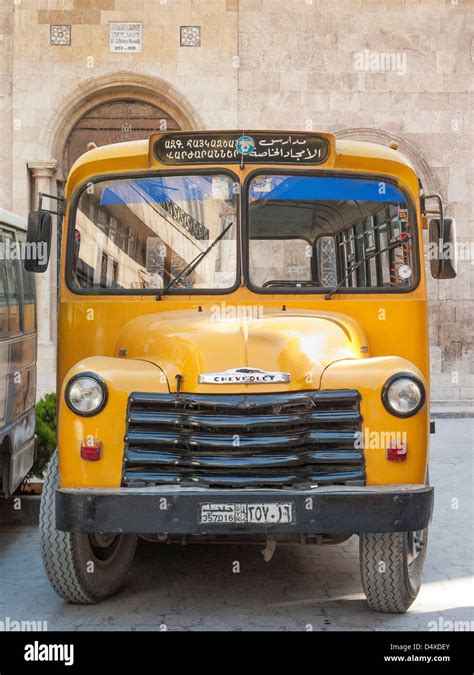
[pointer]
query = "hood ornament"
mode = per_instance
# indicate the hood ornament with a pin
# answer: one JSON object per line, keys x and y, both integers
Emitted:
{"x": 244, "y": 375}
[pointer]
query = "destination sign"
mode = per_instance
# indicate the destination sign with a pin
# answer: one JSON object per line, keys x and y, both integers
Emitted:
{"x": 235, "y": 147}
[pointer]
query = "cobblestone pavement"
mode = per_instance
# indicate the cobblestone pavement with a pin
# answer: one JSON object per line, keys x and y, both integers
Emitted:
{"x": 194, "y": 587}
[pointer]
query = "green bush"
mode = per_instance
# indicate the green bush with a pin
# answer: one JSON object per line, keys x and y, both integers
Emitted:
{"x": 46, "y": 434}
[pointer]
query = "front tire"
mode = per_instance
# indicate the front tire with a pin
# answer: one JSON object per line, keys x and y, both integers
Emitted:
{"x": 391, "y": 566}
{"x": 82, "y": 569}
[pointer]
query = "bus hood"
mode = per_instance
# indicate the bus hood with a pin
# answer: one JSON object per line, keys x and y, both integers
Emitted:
{"x": 216, "y": 339}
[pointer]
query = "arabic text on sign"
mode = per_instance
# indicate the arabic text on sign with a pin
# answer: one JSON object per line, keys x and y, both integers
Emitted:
{"x": 285, "y": 149}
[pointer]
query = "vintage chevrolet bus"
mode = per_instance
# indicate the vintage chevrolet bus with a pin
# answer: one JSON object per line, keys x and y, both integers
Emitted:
{"x": 17, "y": 356}
{"x": 243, "y": 355}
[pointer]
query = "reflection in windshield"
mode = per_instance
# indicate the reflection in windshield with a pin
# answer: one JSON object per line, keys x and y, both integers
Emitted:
{"x": 139, "y": 233}
{"x": 318, "y": 231}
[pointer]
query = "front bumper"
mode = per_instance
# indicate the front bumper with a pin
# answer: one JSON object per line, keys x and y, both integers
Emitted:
{"x": 324, "y": 510}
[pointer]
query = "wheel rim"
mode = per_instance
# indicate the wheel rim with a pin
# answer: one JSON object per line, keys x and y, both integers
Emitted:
{"x": 415, "y": 545}
{"x": 104, "y": 547}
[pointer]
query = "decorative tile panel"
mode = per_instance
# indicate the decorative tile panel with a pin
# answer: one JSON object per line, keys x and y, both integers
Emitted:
{"x": 60, "y": 35}
{"x": 190, "y": 36}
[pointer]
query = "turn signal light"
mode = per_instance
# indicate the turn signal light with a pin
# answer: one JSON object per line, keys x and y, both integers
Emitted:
{"x": 91, "y": 449}
{"x": 397, "y": 451}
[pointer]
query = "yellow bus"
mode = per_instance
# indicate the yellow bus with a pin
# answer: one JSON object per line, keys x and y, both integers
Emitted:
{"x": 17, "y": 356}
{"x": 243, "y": 354}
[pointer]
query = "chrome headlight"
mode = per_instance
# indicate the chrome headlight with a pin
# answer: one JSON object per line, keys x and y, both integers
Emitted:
{"x": 86, "y": 394}
{"x": 403, "y": 395}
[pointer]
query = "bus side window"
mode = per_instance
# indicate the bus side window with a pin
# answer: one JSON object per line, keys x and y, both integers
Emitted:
{"x": 11, "y": 267}
{"x": 3, "y": 302}
{"x": 29, "y": 295}
{"x": 29, "y": 304}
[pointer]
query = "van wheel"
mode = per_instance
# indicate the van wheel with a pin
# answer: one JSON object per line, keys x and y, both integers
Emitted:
{"x": 391, "y": 566}
{"x": 82, "y": 568}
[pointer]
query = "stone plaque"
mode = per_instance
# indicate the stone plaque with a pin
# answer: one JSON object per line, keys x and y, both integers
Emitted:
{"x": 125, "y": 37}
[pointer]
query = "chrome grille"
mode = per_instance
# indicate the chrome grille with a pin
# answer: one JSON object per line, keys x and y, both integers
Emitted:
{"x": 288, "y": 439}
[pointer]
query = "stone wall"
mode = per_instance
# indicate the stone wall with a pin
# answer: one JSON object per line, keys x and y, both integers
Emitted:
{"x": 6, "y": 121}
{"x": 374, "y": 69}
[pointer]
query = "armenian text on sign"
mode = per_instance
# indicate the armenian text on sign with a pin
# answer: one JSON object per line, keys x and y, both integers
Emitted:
{"x": 224, "y": 149}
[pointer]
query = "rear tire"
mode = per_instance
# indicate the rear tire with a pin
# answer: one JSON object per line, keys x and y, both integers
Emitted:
{"x": 82, "y": 569}
{"x": 391, "y": 565}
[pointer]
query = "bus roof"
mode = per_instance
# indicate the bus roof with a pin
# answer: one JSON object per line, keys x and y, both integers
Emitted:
{"x": 135, "y": 155}
{"x": 11, "y": 219}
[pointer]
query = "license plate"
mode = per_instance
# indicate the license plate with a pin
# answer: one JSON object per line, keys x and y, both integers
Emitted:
{"x": 273, "y": 513}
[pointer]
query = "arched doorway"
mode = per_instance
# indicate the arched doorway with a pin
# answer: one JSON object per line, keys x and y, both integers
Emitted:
{"x": 115, "y": 121}
{"x": 93, "y": 93}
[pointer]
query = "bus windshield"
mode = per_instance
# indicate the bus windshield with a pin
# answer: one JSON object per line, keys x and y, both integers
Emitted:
{"x": 310, "y": 232}
{"x": 140, "y": 233}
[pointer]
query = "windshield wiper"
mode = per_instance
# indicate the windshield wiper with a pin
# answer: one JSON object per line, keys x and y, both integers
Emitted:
{"x": 369, "y": 256}
{"x": 193, "y": 264}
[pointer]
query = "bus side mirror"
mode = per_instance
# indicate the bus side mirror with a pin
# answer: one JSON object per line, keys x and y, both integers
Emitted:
{"x": 442, "y": 248}
{"x": 38, "y": 239}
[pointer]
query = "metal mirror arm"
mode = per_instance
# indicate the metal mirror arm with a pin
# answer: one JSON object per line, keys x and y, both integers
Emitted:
{"x": 61, "y": 203}
{"x": 439, "y": 212}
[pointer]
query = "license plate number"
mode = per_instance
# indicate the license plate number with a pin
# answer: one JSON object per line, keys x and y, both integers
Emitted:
{"x": 272, "y": 513}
